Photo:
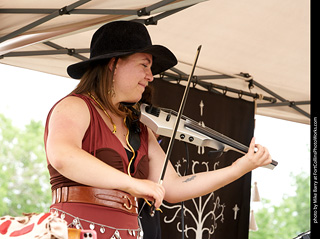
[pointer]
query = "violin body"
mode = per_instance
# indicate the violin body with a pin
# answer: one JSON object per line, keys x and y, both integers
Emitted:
{"x": 161, "y": 122}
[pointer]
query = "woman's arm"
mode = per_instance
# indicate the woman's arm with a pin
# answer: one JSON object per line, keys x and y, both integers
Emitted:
{"x": 183, "y": 188}
{"x": 67, "y": 126}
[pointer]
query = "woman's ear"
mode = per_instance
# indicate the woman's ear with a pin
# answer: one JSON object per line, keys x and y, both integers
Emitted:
{"x": 112, "y": 65}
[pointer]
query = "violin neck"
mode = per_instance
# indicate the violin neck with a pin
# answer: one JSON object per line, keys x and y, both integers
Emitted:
{"x": 228, "y": 142}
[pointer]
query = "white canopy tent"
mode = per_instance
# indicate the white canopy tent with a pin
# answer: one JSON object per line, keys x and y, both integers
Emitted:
{"x": 250, "y": 48}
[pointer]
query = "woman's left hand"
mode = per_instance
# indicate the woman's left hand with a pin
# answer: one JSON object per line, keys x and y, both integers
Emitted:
{"x": 254, "y": 158}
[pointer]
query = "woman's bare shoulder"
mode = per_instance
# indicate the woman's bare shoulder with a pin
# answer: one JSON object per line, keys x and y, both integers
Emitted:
{"x": 71, "y": 109}
{"x": 70, "y": 104}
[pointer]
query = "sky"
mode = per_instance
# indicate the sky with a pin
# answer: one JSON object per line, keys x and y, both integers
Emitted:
{"x": 27, "y": 95}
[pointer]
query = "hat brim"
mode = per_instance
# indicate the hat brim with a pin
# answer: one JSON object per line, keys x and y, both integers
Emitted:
{"x": 163, "y": 59}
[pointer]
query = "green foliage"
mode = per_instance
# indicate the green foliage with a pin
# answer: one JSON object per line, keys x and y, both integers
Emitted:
{"x": 24, "y": 185}
{"x": 288, "y": 219}
{"x": 24, "y": 179}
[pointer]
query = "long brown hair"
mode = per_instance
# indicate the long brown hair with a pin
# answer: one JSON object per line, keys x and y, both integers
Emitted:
{"x": 99, "y": 80}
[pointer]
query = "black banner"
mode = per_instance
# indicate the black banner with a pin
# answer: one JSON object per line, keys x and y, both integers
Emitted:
{"x": 225, "y": 212}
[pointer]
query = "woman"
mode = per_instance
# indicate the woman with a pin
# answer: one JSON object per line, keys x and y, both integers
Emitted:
{"x": 100, "y": 157}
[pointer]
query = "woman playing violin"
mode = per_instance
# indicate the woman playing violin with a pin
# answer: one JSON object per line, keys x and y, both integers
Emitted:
{"x": 101, "y": 159}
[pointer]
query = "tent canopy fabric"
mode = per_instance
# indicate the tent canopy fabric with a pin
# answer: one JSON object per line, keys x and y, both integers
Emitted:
{"x": 258, "y": 49}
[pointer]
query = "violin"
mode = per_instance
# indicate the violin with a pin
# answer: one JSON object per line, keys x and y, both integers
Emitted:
{"x": 188, "y": 130}
{"x": 161, "y": 122}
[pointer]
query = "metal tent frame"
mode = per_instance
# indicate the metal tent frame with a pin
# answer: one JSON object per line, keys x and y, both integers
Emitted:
{"x": 149, "y": 15}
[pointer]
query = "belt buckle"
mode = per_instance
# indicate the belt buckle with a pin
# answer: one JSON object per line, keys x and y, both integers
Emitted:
{"x": 130, "y": 203}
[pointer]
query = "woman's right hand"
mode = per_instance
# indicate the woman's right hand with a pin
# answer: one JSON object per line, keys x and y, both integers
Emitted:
{"x": 147, "y": 189}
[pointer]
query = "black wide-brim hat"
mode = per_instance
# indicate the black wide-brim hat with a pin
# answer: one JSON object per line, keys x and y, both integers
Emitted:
{"x": 120, "y": 38}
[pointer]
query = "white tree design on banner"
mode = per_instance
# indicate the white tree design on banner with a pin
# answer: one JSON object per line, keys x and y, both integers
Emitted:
{"x": 199, "y": 216}
{"x": 223, "y": 213}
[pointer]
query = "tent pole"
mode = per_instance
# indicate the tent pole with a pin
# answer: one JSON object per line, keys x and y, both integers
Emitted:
{"x": 69, "y": 51}
{"x": 146, "y": 10}
{"x": 281, "y": 98}
{"x": 74, "y": 54}
{"x": 54, "y": 14}
{"x": 287, "y": 103}
{"x": 26, "y": 10}
{"x": 211, "y": 86}
{"x": 154, "y": 20}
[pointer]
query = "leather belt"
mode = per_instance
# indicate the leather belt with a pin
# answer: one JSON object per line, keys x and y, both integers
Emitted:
{"x": 98, "y": 196}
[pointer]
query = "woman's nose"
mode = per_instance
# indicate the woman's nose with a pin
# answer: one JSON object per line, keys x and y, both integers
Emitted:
{"x": 149, "y": 75}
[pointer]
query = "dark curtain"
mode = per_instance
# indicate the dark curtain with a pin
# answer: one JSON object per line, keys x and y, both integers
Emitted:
{"x": 225, "y": 212}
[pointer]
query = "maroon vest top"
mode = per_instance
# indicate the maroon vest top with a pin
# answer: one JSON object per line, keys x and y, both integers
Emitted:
{"x": 103, "y": 144}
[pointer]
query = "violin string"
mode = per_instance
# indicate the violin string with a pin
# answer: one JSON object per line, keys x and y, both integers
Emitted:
{"x": 194, "y": 126}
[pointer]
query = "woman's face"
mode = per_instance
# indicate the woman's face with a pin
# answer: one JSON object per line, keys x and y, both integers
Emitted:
{"x": 132, "y": 74}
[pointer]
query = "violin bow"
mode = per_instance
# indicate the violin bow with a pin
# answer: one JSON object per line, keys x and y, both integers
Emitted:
{"x": 176, "y": 125}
